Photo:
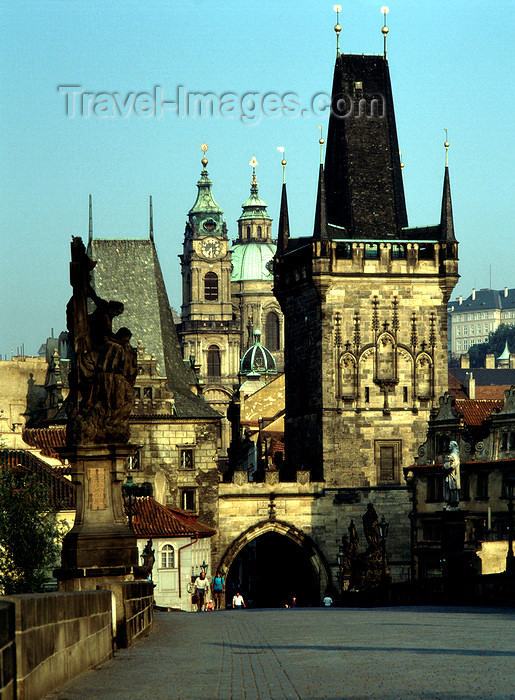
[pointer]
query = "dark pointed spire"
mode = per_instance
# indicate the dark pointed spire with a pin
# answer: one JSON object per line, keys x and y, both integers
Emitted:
{"x": 446, "y": 219}
{"x": 90, "y": 233}
{"x": 320, "y": 228}
{"x": 151, "y": 225}
{"x": 284, "y": 224}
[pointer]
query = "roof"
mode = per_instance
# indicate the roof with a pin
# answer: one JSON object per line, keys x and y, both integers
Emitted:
{"x": 257, "y": 360}
{"x": 475, "y": 411}
{"x": 48, "y": 440}
{"x": 151, "y": 519}
{"x": 484, "y": 377}
{"x": 252, "y": 261}
{"x": 62, "y": 491}
{"x": 128, "y": 270}
{"x": 484, "y": 299}
{"x": 254, "y": 207}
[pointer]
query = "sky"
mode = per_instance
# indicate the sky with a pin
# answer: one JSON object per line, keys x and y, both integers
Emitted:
{"x": 451, "y": 64}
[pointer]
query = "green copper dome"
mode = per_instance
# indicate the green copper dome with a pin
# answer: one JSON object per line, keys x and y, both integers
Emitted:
{"x": 505, "y": 355}
{"x": 254, "y": 207}
{"x": 257, "y": 360}
{"x": 252, "y": 261}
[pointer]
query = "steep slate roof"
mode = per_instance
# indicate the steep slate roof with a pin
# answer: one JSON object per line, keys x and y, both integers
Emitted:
{"x": 128, "y": 270}
{"x": 484, "y": 299}
{"x": 485, "y": 377}
{"x": 151, "y": 519}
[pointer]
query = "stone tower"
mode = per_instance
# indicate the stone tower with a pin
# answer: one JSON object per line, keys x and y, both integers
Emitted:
{"x": 251, "y": 278}
{"x": 210, "y": 334}
{"x": 364, "y": 299}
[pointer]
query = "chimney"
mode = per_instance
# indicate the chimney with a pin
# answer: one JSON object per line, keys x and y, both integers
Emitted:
{"x": 473, "y": 293}
{"x": 460, "y": 300}
{"x": 505, "y": 292}
{"x": 464, "y": 361}
{"x": 490, "y": 361}
{"x": 472, "y": 386}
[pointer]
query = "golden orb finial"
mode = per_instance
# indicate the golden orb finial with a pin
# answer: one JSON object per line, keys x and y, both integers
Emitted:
{"x": 283, "y": 162}
{"x": 384, "y": 30}
{"x": 446, "y": 144}
{"x": 337, "y": 27}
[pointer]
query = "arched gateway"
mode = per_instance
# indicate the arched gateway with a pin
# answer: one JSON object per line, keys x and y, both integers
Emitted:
{"x": 273, "y": 561}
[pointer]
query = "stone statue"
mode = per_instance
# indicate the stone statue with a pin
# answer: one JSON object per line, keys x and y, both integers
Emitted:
{"x": 104, "y": 363}
{"x": 451, "y": 468}
{"x": 148, "y": 556}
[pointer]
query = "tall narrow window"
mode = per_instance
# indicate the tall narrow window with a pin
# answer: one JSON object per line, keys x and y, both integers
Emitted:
{"x": 248, "y": 231}
{"x": 213, "y": 361}
{"x": 211, "y": 286}
{"x": 259, "y": 231}
{"x": 272, "y": 331}
{"x": 167, "y": 557}
{"x": 386, "y": 463}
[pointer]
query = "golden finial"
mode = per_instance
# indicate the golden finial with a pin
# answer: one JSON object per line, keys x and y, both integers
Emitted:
{"x": 446, "y": 144}
{"x": 253, "y": 163}
{"x": 385, "y": 29}
{"x": 283, "y": 162}
{"x": 204, "y": 148}
{"x": 337, "y": 27}
{"x": 400, "y": 158}
{"x": 321, "y": 141}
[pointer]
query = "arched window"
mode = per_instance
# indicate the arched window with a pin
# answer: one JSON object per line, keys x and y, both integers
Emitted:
{"x": 259, "y": 232}
{"x": 188, "y": 288}
{"x": 248, "y": 231}
{"x": 168, "y": 557}
{"x": 272, "y": 332}
{"x": 211, "y": 286}
{"x": 213, "y": 361}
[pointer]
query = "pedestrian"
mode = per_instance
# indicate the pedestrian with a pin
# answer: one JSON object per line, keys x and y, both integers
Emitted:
{"x": 237, "y": 602}
{"x": 218, "y": 588}
{"x": 328, "y": 601}
{"x": 201, "y": 586}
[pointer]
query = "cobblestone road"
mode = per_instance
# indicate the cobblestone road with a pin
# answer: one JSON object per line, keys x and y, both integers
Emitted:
{"x": 313, "y": 653}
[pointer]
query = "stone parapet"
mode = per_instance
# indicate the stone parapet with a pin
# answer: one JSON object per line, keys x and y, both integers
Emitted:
{"x": 7, "y": 651}
{"x": 134, "y": 602}
{"x": 59, "y": 636}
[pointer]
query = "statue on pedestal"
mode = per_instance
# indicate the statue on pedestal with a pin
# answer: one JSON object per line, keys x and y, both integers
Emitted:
{"x": 104, "y": 364}
{"x": 451, "y": 487}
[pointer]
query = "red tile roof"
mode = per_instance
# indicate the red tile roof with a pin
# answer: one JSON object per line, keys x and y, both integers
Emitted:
{"x": 476, "y": 410}
{"x": 46, "y": 439}
{"x": 62, "y": 491}
{"x": 151, "y": 519}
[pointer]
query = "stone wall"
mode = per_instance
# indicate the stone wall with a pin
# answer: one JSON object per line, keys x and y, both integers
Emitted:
{"x": 134, "y": 610}
{"x": 7, "y": 652}
{"x": 58, "y": 636}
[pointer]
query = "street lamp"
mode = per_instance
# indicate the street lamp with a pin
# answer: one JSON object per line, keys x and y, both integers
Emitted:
{"x": 510, "y": 559}
{"x": 204, "y": 566}
{"x": 383, "y": 534}
{"x": 131, "y": 490}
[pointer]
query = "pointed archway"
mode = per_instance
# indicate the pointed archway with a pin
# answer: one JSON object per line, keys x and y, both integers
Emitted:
{"x": 271, "y": 563}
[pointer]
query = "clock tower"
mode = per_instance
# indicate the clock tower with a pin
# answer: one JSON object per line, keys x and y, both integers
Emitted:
{"x": 210, "y": 334}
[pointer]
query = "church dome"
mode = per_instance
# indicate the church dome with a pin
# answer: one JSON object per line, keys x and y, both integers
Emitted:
{"x": 257, "y": 360}
{"x": 252, "y": 261}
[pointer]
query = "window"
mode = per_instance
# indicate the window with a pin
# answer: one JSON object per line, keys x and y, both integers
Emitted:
{"x": 458, "y": 332}
{"x": 434, "y": 488}
{"x": 465, "y": 487}
{"x": 188, "y": 499}
{"x": 167, "y": 557}
{"x": 259, "y": 231}
{"x": 482, "y": 485}
{"x": 186, "y": 459}
{"x": 504, "y": 442}
{"x": 431, "y": 531}
{"x": 133, "y": 463}
{"x": 371, "y": 251}
{"x": 213, "y": 361}
{"x": 388, "y": 453}
{"x": 211, "y": 287}
{"x": 137, "y": 393}
{"x": 272, "y": 331}
{"x": 405, "y": 394}
{"x": 248, "y": 231}
{"x": 465, "y": 330}
{"x": 147, "y": 392}
{"x": 398, "y": 251}
{"x": 367, "y": 394}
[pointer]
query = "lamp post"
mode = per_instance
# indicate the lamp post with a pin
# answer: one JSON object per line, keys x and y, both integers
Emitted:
{"x": 510, "y": 558}
{"x": 131, "y": 491}
{"x": 203, "y": 566}
{"x": 383, "y": 534}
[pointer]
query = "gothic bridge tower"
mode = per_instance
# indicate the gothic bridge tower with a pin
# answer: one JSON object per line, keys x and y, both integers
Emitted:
{"x": 364, "y": 299}
{"x": 210, "y": 335}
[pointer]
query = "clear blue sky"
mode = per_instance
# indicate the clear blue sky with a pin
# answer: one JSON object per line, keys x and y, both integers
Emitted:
{"x": 451, "y": 64}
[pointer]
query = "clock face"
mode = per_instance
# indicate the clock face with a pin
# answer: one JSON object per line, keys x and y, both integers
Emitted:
{"x": 211, "y": 248}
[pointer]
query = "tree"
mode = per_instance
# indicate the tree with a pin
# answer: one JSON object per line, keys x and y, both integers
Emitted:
{"x": 30, "y": 533}
{"x": 494, "y": 345}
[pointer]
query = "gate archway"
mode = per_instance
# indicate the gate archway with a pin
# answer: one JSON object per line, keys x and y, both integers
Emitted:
{"x": 273, "y": 561}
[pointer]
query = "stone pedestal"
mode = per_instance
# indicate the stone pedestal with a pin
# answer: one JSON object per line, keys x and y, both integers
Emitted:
{"x": 100, "y": 544}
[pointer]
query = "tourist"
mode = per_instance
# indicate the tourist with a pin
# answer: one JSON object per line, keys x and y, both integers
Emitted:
{"x": 201, "y": 586}
{"x": 328, "y": 601}
{"x": 218, "y": 588}
{"x": 237, "y": 602}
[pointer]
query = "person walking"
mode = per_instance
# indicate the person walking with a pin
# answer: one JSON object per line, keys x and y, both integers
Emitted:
{"x": 218, "y": 588}
{"x": 237, "y": 602}
{"x": 201, "y": 586}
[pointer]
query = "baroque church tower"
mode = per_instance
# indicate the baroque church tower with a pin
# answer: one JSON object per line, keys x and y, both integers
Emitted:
{"x": 210, "y": 334}
{"x": 364, "y": 299}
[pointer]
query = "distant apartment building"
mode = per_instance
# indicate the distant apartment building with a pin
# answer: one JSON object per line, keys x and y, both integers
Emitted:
{"x": 472, "y": 319}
